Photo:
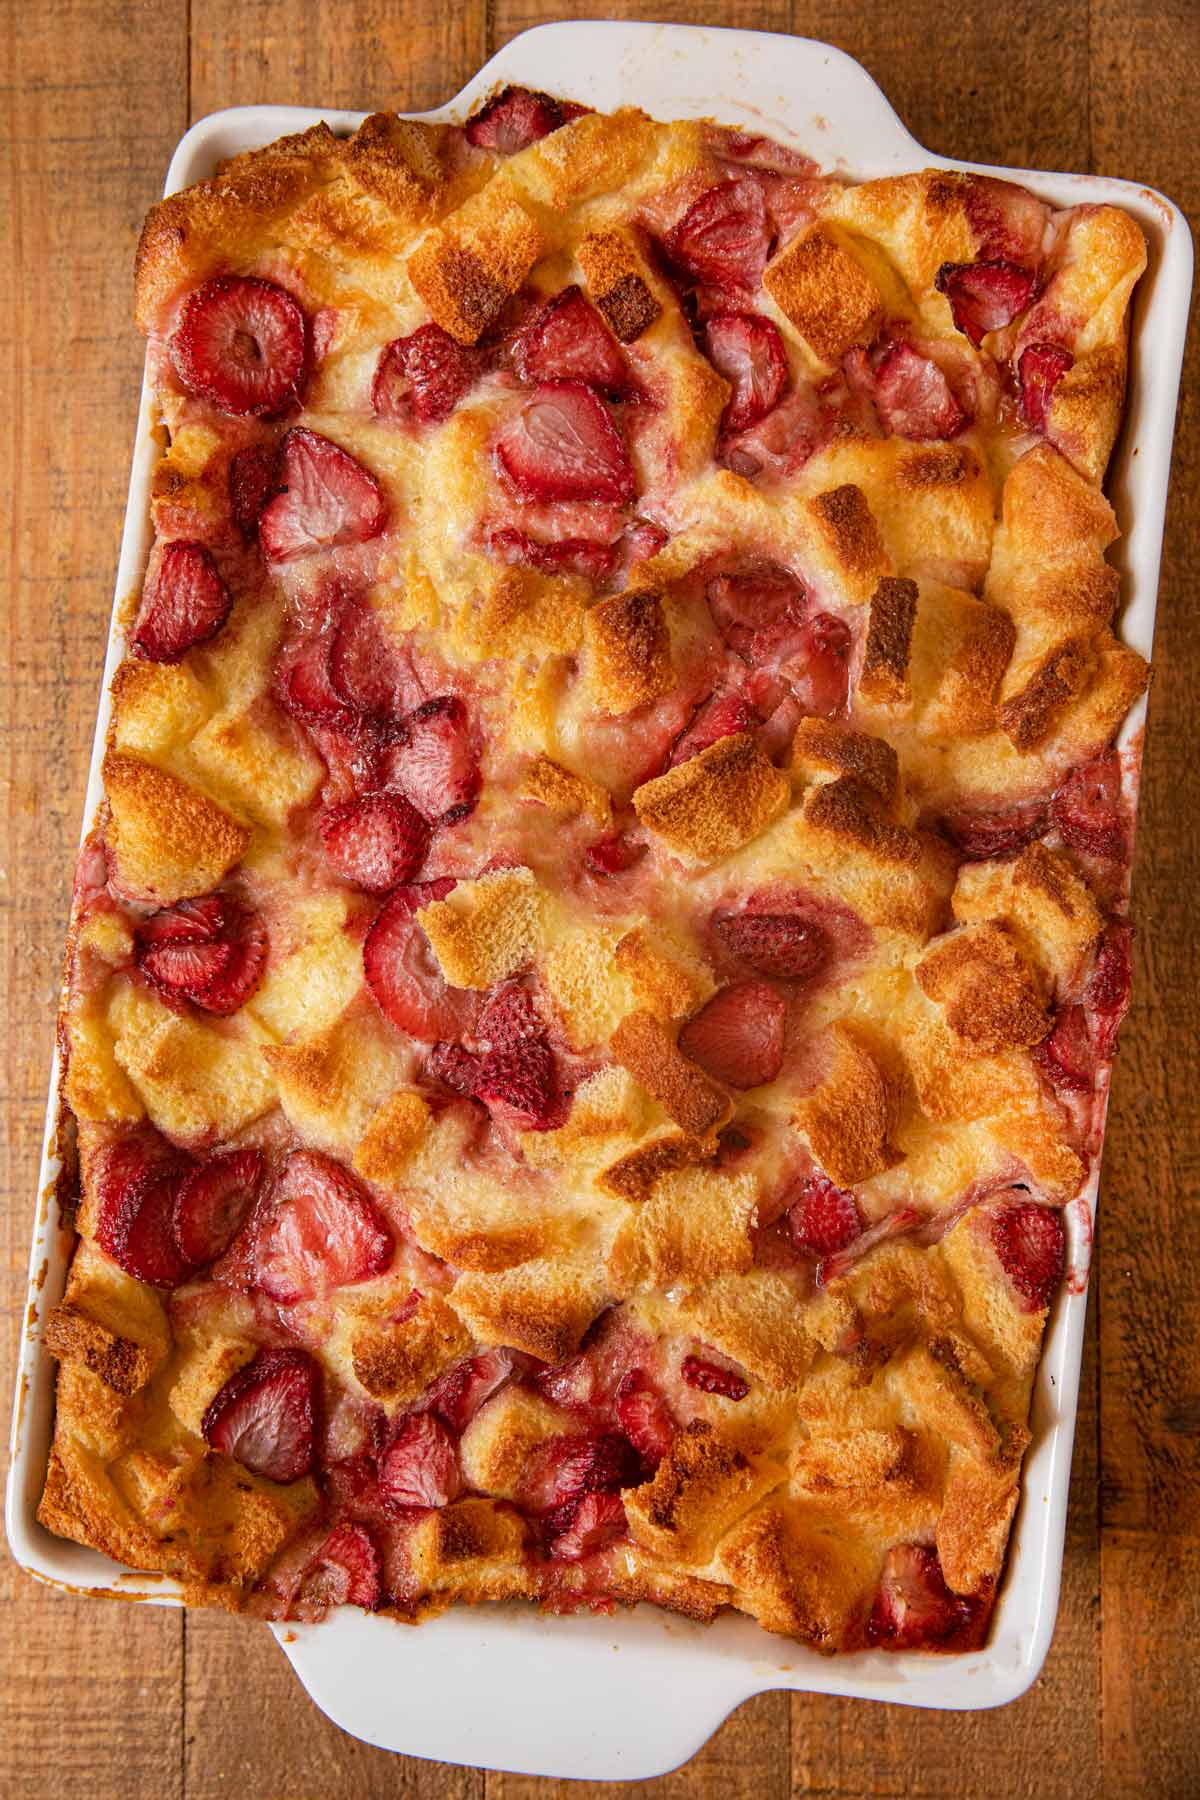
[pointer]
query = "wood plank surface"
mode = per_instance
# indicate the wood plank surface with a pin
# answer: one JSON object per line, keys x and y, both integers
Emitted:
{"x": 101, "y": 1700}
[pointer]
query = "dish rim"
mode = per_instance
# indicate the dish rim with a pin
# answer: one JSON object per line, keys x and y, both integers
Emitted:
{"x": 733, "y": 1659}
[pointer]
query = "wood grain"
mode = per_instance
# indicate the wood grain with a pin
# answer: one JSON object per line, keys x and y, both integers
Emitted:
{"x": 106, "y": 1700}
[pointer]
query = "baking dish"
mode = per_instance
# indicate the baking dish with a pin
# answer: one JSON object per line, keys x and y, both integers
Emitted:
{"x": 543, "y": 1695}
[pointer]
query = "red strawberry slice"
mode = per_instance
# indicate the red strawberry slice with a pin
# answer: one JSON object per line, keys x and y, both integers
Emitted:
{"x": 913, "y": 397}
{"x": 748, "y": 351}
{"x": 375, "y": 843}
{"x": 423, "y": 377}
{"x": 568, "y": 556}
{"x": 512, "y": 121}
{"x": 914, "y": 1607}
{"x": 819, "y": 673}
{"x": 564, "y": 1468}
{"x": 136, "y": 1228}
{"x": 569, "y": 341}
{"x": 783, "y": 945}
{"x": 581, "y": 1527}
{"x": 1088, "y": 808}
{"x": 822, "y": 1218}
{"x": 321, "y": 1233}
{"x": 253, "y": 480}
{"x": 304, "y": 684}
{"x": 575, "y": 1383}
{"x": 508, "y": 1017}
{"x": 613, "y": 855}
{"x": 1007, "y": 220}
{"x": 644, "y": 1417}
{"x": 209, "y": 951}
{"x": 438, "y": 769}
{"x": 737, "y": 1037}
{"x": 520, "y": 1085}
{"x": 420, "y": 1465}
{"x": 327, "y": 498}
{"x": 1031, "y": 1244}
{"x": 265, "y": 1415}
{"x": 346, "y": 1571}
{"x": 644, "y": 539}
{"x": 1066, "y": 1057}
{"x": 982, "y": 836}
{"x": 367, "y": 667}
{"x": 984, "y": 296}
{"x": 563, "y": 445}
{"x": 241, "y": 343}
{"x": 212, "y": 1202}
{"x": 184, "y": 602}
{"x": 722, "y": 716}
{"x": 724, "y": 236}
{"x": 1039, "y": 370}
{"x": 403, "y": 974}
{"x": 1110, "y": 986}
{"x": 711, "y": 1378}
{"x": 458, "y": 1395}
{"x": 759, "y": 612}
{"x": 454, "y": 1067}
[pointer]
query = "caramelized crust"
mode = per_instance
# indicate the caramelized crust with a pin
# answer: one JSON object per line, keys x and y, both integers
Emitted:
{"x": 634, "y": 847}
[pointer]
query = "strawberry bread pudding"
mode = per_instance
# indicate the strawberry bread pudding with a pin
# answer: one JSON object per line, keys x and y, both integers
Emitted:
{"x": 596, "y": 974}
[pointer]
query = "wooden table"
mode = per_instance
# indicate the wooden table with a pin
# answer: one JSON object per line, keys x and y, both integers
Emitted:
{"x": 104, "y": 1700}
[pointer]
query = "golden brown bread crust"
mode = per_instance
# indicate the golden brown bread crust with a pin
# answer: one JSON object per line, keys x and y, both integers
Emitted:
{"x": 826, "y": 1406}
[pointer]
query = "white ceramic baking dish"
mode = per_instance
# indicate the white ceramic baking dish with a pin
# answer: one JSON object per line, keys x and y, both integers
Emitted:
{"x": 588, "y": 1697}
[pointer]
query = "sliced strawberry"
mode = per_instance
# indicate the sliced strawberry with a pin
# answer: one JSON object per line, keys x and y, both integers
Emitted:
{"x": 1007, "y": 220}
{"x": 563, "y": 445}
{"x": 304, "y": 684}
{"x": 321, "y": 1233}
{"x": 644, "y": 1417}
{"x": 913, "y": 1606}
{"x": 184, "y": 602}
{"x": 1088, "y": 808}
{"x": 759, "y": 612}
{"x": 375, "y": 843}
{"x": 346, "y": 1571}
{"x": 265, "y": 1415}
{"x": 454, "y": 1067}
{"x": 1031, "y": 1244}
{"x": 984, "y": 296}
{"x": 253, "y": 480}
{"x": 613, "y": 855}
{"x": 644, "y": 539}
{"x": 567, "y": 556}
{"x": 327, "y": 498}
{"x": 139, "y": 1232}
{"x": 209, "y": 951}
{"x": 822, "y": 1218}
{"x": 580, "y": 1527}
{"x": 984, "y": 835}
{"x": 458, "y": 1395}
{"x": 508, "y": 1017}
{"x": 516, "y": 118}
{"x": 423, "y": 377}
{"x": 352, "y": 756}
{"x": 722, "y": 716}
{"x": 778, "y": 447}
{"x": 1039, "y": 370}
{"x": 241, "y": 343}
{"x": 569, "y": 341}
{"x": 737, "y": 1037}
{"x": 368, "y": 669}
{"x": 783, "y": 945}
{"x": 819, "y": 672}
{"x": 521, "y": 1086}
{"x": 563, "y": 1468}
{"x": 1110, "y": 986}
{"x": 212, "y": 1202}
{"x": 914, "y": 398}
{"x": 438, "y": 769}
{"x": 1066, "y": 1057}
{"x": 711, "y": 1378}
{"x": 420, "y": 1465}
{"x": 748, "y": 351}
{"x": 403, "y": 974}
{"x": 724, "y": 236}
